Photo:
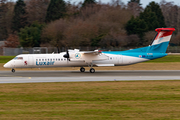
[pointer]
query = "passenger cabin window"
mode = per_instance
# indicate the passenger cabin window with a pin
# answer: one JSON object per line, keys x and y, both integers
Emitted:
{"x": 18, "y": 58}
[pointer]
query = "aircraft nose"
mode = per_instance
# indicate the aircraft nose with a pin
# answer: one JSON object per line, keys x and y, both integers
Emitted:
{"x": 7, "y": 65}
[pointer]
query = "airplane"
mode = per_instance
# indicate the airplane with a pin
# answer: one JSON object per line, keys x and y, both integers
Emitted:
{"x": 77, "y": 58}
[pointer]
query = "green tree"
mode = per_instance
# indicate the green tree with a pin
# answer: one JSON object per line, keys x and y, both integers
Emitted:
{"x": 88, "y": 2}
{"x": 154, "y": 7}
{"x": 3, "y": 12}
{"x": 56, "y": 10}
{"x": 20, "y": 16}
{"x": 147, "y": 21}
{"x": 31, "y": 36}
{"x": 150, "y": 18}
{"x": 136, "y": 26}
{"x": 95, "y": 41}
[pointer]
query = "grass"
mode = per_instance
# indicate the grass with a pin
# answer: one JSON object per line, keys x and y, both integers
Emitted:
{"x": 5, "y": 59}
{"x": 168, "y": 58}
{"x": 137, "y": 100}
{"x": 91, "y": 100}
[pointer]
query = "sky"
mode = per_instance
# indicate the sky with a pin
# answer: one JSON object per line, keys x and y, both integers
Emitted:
{"x": 143, "y": 2}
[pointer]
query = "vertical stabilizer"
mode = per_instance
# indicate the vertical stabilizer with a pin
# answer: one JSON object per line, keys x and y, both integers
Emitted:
{"x": 161, "y": 40}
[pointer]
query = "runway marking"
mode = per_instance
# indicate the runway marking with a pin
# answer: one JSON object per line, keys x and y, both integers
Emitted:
{"x": 71, "y": 76}
{"x": 10, "y": 76}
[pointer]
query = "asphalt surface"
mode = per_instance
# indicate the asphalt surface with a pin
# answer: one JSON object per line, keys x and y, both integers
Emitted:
{"x": 76, "y": 76}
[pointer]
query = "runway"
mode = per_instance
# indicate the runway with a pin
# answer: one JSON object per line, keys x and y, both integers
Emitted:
{"x": 76, "y": 76}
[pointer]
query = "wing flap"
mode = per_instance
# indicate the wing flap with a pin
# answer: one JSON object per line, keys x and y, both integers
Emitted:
{"x": 74, "y": 60}
{"x": 101, "y": 65}
{"x": 96, "y": 52}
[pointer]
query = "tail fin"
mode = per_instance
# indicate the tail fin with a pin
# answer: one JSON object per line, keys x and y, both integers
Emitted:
{"x": 161, "y": 40}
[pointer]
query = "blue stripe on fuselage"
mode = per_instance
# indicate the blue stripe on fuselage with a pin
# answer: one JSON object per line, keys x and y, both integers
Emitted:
{"x": 149, "y": 56}
{"x": 149, "y": 52}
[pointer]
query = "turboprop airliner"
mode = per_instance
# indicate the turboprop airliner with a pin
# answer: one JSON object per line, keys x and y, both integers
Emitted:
{"x": 77, "y": 58}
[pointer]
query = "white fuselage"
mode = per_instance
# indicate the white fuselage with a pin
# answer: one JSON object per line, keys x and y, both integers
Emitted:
{"x": 57, "y": 60}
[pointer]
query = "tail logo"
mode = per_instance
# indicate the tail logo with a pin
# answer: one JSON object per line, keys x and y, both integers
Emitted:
{"x": 161, "y": 41}
{"x": 164, "y": 35}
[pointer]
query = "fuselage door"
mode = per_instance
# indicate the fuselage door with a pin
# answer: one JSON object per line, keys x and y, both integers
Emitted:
{"x": 30, "y": 60}
{"x": 120, "y": 58}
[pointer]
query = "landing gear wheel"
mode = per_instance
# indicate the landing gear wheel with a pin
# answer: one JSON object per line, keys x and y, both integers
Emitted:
{"x": 92, "y": 70}
{"x": 13, "y": 70}
{"x": 82, "y": 69}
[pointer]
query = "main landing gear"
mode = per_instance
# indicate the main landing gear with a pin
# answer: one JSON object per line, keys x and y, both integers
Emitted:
{"x": 82, "y": 69}
{"x": 92, "y": 70}
{"x": 13, "y": 70}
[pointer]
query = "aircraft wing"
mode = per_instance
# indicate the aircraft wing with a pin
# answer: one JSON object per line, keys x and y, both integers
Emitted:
{"x": 88, "y": 56}
{"x": 92, "y": 52}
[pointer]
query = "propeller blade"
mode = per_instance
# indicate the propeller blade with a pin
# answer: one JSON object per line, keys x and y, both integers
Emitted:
{"x": 66, "y": 55}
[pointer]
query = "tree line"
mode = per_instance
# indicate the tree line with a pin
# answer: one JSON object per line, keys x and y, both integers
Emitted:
{"x": 56, "y": 23}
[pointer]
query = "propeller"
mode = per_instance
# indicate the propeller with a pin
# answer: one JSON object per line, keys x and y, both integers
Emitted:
{"x": 66, "y": 55}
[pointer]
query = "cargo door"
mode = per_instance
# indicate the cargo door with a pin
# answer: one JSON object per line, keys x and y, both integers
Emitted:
{"x": 120, "y": 58}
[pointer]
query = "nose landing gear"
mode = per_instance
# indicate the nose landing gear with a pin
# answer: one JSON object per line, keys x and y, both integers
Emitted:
{"x": 13, "y": 70}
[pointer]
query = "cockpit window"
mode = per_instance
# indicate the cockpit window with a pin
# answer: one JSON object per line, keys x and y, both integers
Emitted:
{"x": 18, "y": 58}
